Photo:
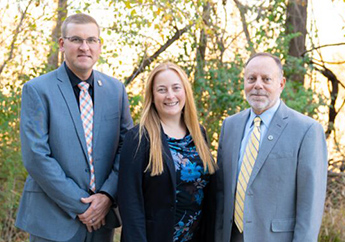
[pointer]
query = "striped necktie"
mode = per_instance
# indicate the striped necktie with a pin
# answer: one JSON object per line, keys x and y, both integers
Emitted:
{"x": 248, "y": 162}
{"x": 86, "y": 112}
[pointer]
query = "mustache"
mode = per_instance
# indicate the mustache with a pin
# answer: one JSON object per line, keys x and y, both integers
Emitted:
{"x": 258, "y": 93}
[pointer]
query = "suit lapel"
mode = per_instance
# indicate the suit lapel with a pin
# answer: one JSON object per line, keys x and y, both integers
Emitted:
{"x": 99, "y": 99}
{"x": 278, "y": 124}
{"x": 237, "y": 134}
{"x": 66, "y": 90}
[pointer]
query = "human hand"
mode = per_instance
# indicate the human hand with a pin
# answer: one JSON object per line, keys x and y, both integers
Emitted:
{"x": 94, "y": 216}
{"x": 95, "y": 226}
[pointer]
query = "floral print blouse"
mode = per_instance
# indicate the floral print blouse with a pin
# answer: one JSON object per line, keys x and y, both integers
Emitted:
{"x": 190, "y": 183}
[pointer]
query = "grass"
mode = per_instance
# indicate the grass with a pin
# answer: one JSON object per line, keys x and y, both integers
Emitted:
{"x": 333, "y": 225}
{"x": 333, "y": 221}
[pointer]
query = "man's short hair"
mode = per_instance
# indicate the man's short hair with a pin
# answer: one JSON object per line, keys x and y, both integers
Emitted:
{"x": 275, "y": 58}
{"x": 79, "y": 18}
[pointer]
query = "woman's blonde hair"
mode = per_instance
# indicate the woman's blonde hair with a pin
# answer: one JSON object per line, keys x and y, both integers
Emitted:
{"x": 151, "y": 122}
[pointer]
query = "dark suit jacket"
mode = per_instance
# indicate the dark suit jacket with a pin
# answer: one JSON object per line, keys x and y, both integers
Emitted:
{"x": 147, "y": 204}
{"x": 55, "y": 154}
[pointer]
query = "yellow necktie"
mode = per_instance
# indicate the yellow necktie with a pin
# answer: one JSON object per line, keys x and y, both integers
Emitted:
{"x": 250, "y": 154}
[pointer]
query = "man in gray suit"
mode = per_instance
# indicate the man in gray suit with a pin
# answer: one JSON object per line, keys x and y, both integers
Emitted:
{"x": 271, "y": 184}
{"x": 73, "y": 121}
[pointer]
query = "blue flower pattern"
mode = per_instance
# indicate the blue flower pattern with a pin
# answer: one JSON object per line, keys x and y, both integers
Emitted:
{"x": 190, "y": 172}
{"x": 191, "y": 180}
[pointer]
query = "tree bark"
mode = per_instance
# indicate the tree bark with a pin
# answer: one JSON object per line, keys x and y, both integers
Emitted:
{"x": 296, "y": 22}
{"x": 202, "y": 45}
{"x": 53, "y": 57}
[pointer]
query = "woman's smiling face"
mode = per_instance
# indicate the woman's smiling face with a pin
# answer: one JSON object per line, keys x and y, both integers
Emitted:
{"x": 169, "y": 95}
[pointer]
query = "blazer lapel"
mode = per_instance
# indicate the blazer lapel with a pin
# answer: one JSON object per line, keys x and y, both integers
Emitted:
{"x": 72, "y": 105}
{"x": 99, "y": 99}
{"x": 167, "y": 158}
{"x": 278, "y": 124}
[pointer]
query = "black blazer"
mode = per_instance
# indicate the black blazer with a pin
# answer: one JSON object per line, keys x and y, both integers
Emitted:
{"x": 146, "y": 203}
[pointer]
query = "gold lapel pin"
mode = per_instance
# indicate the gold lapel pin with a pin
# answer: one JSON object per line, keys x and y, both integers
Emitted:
{"x": 99, "y": 83}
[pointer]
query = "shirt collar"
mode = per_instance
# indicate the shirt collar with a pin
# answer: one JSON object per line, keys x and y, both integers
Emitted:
{"x": 76, "y": 80}
{"x": 266, "y": 116}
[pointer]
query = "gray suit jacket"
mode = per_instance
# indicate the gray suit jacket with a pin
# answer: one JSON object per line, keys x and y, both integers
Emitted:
{"x": 55, "y": 154}
{"x": 286, "y": 191}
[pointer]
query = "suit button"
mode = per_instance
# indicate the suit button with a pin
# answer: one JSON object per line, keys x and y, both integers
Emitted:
{"x": 86, "y": 170}
{"x": 172, "y": 209}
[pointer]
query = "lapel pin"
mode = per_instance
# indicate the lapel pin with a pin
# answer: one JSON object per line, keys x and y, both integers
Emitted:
{"x": 99, "y": 83}
{"x": 270, "y": 137}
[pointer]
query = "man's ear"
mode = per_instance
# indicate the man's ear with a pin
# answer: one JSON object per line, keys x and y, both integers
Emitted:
{"x": 61, "y": 44}
{"x": 282, "y": 83}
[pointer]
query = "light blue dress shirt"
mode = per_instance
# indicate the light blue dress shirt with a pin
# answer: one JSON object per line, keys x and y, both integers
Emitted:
{"x": 266, "y": 118}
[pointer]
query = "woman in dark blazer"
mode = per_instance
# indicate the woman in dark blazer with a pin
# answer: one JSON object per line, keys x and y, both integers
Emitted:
{"x": 166, "y": 168}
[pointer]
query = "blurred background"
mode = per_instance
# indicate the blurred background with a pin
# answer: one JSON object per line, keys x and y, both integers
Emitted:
{"x": 211, "y": 40}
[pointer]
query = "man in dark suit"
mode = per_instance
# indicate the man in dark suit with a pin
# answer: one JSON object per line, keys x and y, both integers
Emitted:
{"x": 73, "y": 122}
{"x": 271, "y": 184}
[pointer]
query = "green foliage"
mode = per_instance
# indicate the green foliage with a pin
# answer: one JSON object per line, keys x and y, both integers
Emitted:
{"x": 145, "y": 25}
{"x": 268, "y": 25}
{"x": 135, "y": 102}
{"x": 218, "y": 94}
{"x": 299, "y": 98}
{"x": 330, "y": 238}
{"x": 12, "y": 173}
{"x": 21, "y": 43}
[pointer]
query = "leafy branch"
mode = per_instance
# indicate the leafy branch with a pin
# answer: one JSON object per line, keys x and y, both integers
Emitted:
{"x": 147, "y": 61}
{"x": 15, "y": 36}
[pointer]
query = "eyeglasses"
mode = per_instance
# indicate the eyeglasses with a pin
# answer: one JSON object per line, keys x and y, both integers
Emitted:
{"x": 91, "y": 41}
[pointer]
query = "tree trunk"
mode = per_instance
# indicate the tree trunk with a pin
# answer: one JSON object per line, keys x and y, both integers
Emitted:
{"x": 296, "y": 22}
{"x": 202, "y": 45}
{"x": 243, "y": 10}
{"x": 53, "y": 57}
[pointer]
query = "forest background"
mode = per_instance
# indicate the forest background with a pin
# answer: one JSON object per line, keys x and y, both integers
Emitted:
{"x": 211, "y": 40}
